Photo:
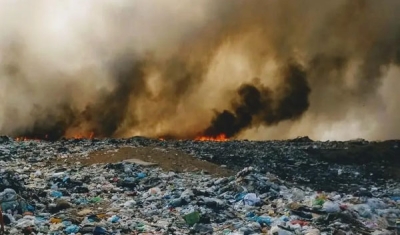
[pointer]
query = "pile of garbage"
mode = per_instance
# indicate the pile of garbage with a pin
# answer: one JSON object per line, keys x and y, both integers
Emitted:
{"x": 331, "y": 165}
{"x": 43, "y": 192}
{"x": 342, "y": 166}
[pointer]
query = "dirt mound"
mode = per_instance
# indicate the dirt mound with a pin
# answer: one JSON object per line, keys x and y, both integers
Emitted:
{"x": 167, "y": 159}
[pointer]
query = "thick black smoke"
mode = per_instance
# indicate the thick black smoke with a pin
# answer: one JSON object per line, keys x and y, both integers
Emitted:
{"x": 106, "y": 114}
{"x": 63, "y": 72}
{"x": 259, "y": 105}
{"x": 100, "y": 118}
{"x": 52, "y": 124}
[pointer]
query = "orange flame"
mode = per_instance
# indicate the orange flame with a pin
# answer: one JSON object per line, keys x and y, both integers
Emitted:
{"x": 75, "y": 136}
{"x": 22, "y": 138}
{"x": 83, "y": 136}
{"x": 219, "y": 138}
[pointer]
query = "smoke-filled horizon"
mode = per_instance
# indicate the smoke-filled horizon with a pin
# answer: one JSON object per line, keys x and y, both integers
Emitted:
{"x": 255, "y": 69}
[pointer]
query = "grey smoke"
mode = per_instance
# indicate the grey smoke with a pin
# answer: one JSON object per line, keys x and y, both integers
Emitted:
{"x": 121, "y": 68}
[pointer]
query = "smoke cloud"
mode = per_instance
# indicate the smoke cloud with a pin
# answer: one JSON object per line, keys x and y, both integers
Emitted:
{"x": 257, "y": 69}
{"x": 259, "y": 105}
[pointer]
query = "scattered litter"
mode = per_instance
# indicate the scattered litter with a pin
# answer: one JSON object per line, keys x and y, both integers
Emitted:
{"x": 45, "y": 191}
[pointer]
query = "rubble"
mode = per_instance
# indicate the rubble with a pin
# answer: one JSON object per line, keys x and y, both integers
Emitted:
{"x": 147, "y": 186}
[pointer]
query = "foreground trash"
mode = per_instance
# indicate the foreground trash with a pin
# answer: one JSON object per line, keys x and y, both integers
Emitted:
{"x": 125, "y": 197}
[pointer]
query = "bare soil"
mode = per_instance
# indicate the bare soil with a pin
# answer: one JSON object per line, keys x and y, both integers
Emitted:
{"x": 167, "y": 159}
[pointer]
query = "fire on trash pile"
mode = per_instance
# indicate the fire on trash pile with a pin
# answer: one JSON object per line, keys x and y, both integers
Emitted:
{"x": 204, "y": 186}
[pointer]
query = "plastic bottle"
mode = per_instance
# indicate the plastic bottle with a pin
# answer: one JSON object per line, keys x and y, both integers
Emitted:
{"x": 71, "y": 229}
{"x": 100, "y": 231}
{"x": 297, "y": 195}
{"x": 395, "y": 198}
{"x": 251, "y": 199}
{"x": 331, "y": 207}
{"x": 141, "y": 175}
{"x": 95, "y": 199}
{"x": 56, "y": 194}
{"x": 264, "y": 220}
{"x": 113, "y": 219}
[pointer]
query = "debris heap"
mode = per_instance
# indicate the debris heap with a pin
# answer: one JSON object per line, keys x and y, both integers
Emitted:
{"x": 144, "y": 186}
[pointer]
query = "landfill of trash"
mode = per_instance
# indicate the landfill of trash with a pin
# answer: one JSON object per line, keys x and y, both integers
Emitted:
{"x": 150, "y": 186}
